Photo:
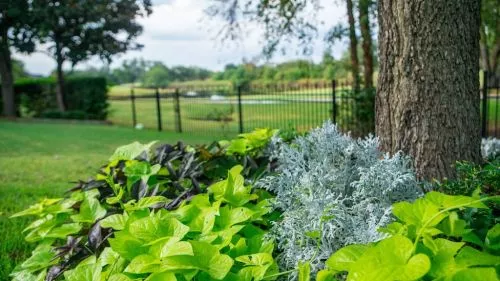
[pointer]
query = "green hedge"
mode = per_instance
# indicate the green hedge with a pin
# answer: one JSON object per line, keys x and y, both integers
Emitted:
{"x": 85, "y": 98}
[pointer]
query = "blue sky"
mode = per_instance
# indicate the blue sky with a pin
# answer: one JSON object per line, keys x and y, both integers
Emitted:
{"x": 178, "y": 33}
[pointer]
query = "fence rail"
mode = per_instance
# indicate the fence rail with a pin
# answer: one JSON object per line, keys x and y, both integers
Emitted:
{"x": 227, "y": 110}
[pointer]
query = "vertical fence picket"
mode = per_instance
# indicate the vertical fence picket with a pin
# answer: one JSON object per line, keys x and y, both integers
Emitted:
{"x": 484, "y": 121}
{"x": 158, "y": 109}
{"x": 497, "y": 101}
{"x": 177, "y": 111}
{"x": 132, "y": 100}
{"x": 240, "y": 110}
{"x": 334, "y": 102}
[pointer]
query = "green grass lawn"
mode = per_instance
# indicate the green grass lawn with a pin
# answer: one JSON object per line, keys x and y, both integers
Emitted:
{"x": 40, "y": 160}
{"x": 196, "y": 115}
{"x": 302, "y": 109}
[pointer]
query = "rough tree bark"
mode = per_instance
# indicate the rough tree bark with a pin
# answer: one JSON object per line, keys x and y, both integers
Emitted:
{"x": 60, "y": 79}
{"x": 427, "y": 102}
{"x": 353, "y": 44}
{"x": 366, "y": 44}
{"x": 9, "y": 106}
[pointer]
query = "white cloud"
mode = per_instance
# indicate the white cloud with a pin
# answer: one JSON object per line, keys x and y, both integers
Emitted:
{"x": 178, "y": 33}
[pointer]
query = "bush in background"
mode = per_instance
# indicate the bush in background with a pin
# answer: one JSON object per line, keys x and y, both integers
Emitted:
{"x": 490, "y": 148}
{"x": 85, "y": 98}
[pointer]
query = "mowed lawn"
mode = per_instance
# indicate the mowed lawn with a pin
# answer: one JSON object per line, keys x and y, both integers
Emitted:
{"x": 41, "y": 160}
{"x": 200, "y": 115}
{"x": 301, "y": 109}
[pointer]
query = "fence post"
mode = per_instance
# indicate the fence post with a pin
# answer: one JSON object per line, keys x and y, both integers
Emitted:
{"x": 484, "y": 121}
{"x": 240, "y": 110}
{"x": 334, "y": 102}
{"x": 177, "y": 111}
{"x": 158, "y": 109}
{"x": 132, "y": 99}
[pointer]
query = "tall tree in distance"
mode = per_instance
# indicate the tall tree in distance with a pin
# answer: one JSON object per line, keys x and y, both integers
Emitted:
{"x": 77, "y": 30}
{"x": 295, "y": 21}
{"x": 490, "y": 35}
{"x": 353, "y": 43}
{"x": 14, "y": 33}
{"x": 427, "y": 102}
{"x": 366, "y": 43}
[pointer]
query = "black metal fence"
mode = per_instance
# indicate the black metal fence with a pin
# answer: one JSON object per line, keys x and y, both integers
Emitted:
{"x": 228, "y": 110}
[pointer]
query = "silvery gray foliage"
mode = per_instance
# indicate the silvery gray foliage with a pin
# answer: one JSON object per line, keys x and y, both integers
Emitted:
{"x": 334, "y": 189}
{"x": 490, "y": 148}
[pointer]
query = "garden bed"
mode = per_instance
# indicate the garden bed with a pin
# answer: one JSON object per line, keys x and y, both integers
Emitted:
{"x": 264, "y": 206}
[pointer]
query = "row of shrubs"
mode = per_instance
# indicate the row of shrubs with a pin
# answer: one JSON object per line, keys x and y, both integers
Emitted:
{"x": 84, "y": 97}
{"x": 269, "y": 206}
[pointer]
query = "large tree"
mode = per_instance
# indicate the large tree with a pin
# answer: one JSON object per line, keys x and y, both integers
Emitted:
{"x": 77, "y": 30}
{"x": 15, "y": 33}
{"x": 427, "y": 102}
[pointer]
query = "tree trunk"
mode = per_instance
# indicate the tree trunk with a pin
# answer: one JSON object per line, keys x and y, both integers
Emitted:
{"x": 9, "y": 105}
{"x": 427, "y": 102}
{"x": 353, "y": 45}
{"x": 366, "y": 44}
{"x": 495, "y": 52}
{"x": 495, "y": 55}
{"x": 60, "y": 79}
{"x": 483, "y": 45}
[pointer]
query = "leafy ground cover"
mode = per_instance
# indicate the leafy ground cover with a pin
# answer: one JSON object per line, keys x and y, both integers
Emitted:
{"x": 39, "y": 160}
{"x": 158, "y": 213}
{"x": 179, "y": 212}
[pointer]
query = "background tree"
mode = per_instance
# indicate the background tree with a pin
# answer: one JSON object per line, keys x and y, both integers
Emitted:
{"x": 131, "y": 71}
{"x": 18, "y": 70}
{"x": 157, "y": 76}
{"x": 15, "y": 33}
{"x": 490, "y": 35}
{"x": 290, "y": 21}
{"x": 366, "y": 41}
{"x": 77, "y": 30}
{"x": 427, "y": 102}
{"x": 353, "y": 43}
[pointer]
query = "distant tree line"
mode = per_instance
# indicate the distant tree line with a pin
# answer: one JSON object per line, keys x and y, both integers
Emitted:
{"x": 157, "y": 74}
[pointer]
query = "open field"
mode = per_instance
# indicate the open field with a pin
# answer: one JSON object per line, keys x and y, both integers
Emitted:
{"x": 40, "y": 160}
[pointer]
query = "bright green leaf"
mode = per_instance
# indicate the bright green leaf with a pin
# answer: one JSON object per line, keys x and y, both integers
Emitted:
{"x": 116, "y": 221}
{"x": 131, "y": 151}
{"x": 342, "y": 259}
{"x": 304, "y": 271}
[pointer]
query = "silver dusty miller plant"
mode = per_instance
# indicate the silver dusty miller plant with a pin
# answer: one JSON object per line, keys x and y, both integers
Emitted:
{"x": 490, "y": 148}
{"x": 333, "y": 191}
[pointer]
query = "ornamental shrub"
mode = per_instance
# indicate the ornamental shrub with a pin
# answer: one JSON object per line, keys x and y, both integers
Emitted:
{"x": 333, "y": 191}
{"x": 158, "y": 212}
{"x": 87, "y": 95}
{"x": 490, "y": 148}
{"x": 213, "y": 236}
{"x": 429, "y": 241}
